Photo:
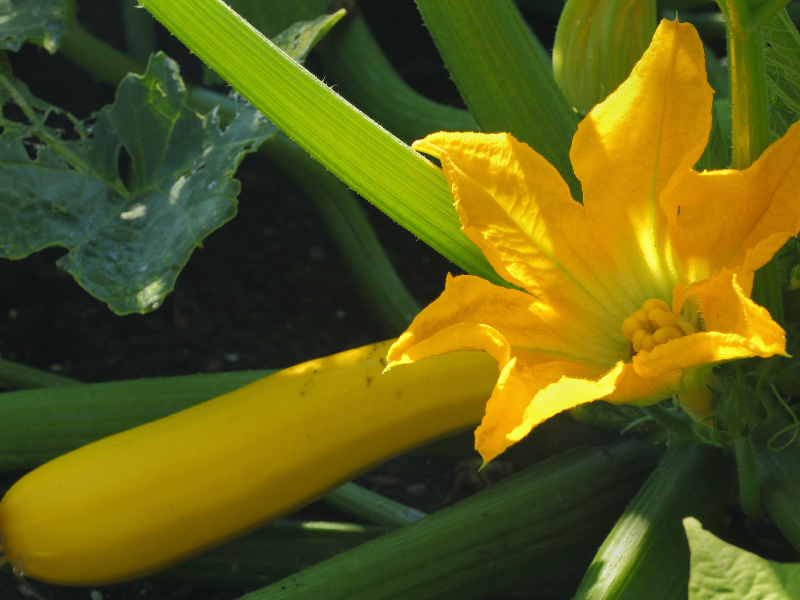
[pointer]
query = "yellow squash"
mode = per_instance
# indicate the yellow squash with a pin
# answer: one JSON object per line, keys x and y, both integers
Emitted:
{"x": 142, "y": 500}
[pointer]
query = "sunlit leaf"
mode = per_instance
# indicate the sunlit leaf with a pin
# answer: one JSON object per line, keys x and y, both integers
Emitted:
{"x": 127, "y": 242}
{"x": 36, "y": 21}
{"x": 720, "y": 571}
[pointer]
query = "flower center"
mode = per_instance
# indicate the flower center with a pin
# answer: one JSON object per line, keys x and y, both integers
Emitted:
{"x": 654, "y": 324}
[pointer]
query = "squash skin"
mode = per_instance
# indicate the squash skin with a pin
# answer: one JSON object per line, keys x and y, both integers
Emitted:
{"x": 142, "y": 500}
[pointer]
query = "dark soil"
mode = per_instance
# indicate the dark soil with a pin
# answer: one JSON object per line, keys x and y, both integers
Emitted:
{"x": 267, "y": 290}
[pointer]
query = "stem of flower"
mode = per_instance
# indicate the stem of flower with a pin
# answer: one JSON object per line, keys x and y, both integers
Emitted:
{"x": 750, "y": 118}
{"x": 670, "y": 421}
{"x": 749, "y": 487}
{"x": 749, "y": 101}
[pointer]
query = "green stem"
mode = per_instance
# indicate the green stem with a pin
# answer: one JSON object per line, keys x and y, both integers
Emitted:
{"x": 39, "y": 424}
{"x": 21, "y": 377}
{"x": 750, "y": 119}
{"x": 356, "y": 66}
{"x": 521, "y": 528}
{"x": 492, "y": 58}
{"x": 765, "y": 12}
{"x": 271, "y": 553}
{"x": 767, "y": 291}
{"x": 779, "y": 474}
{"x": 645, "y": 555}
{"x": 749, "y": 488}
{"x": 362, "y": 254}
{"x": 140, "y": 31}
{"x": 675, "y": 424}
{"x": 371, "y": 507}
{"x": 749, "y": 101}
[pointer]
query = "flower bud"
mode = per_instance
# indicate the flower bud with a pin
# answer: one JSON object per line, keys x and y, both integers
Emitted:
{"x": 597, "y": 44}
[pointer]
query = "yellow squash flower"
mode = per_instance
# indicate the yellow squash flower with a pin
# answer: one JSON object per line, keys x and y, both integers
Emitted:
{"x": 632, "y": 296}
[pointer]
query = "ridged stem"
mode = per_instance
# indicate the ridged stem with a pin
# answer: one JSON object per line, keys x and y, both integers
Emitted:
{"x": 507, "y": 86}
{"x": 750, "y": 120}
{"x": 646, "y": 555}
{"x": 779, "y": 474}
{"x": 670, "y": 421}
{"x": 271, "y": 553}
{"x": 140, "y": 31}
{"x": 356, "y": 66}
{"x": 22, "y": 377}
{"x": 371, "y": 507}
{"x": 39, "y": 424}
{"x": 749, "y": 488}
{"x": 516, "y": 530}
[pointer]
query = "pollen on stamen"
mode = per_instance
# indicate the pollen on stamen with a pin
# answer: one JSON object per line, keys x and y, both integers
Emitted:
{"x": 654, "y": 324}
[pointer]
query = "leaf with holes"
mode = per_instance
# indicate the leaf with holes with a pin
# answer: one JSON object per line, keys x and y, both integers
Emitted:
{"x": 38, "y": 21}
{"x": 127, "y": 243}
{"x": 783, "y": 73}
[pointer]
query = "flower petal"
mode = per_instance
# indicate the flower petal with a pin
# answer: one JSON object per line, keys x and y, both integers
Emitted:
{"x": 626, "y": 150}
{"x": 734, "y": 218}
{"x": 473, "y": 314}
{"x": 527, "y": 394}
{"x": 516, "y": 207}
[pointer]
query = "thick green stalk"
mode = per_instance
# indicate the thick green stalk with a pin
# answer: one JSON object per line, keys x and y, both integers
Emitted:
{"x": 364, "y": 258}
{"x": 749, "y": 488}
{"x": 779, "y": 474}
{"x": 672, "y": 422}
{"x": 272, "y": 553}
{"x": 140, "y": 31}
{"x": 40, "y": 424}
{"x": 646, "y": 555}
{"x": 356, "y": 66}
{"x": 748, "y": 89}
{"x": 400, "y": 182}
{"x": 517, "y": 529}
{"x": 750, "y": 120}
{"x": 21, "y": 377}
{"x": 506, "y": 84}
{"x": 371, "y": 507}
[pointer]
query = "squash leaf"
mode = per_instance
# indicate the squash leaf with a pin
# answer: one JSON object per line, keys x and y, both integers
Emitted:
{"x": 38, "y": 21}
{"x": 127, "y": 241}
{"x": 782, "y": 57}
{"x": 720, "y": 571}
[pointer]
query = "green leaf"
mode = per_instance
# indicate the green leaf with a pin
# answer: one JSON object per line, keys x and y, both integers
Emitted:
{"x": 782, "y": 58}
{"x": 299, "y": 39}
{"x": 127, "y": 243}
{"x": 38, "y": 21}
{"x": 720, "y": 571}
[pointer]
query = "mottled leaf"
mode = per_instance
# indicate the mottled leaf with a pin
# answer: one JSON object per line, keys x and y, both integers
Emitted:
{"x": 720, "y": 571}
{"x": 127, "y": 242}
{"x": 38, "y": 21}
{"x": 783, "y": 73}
